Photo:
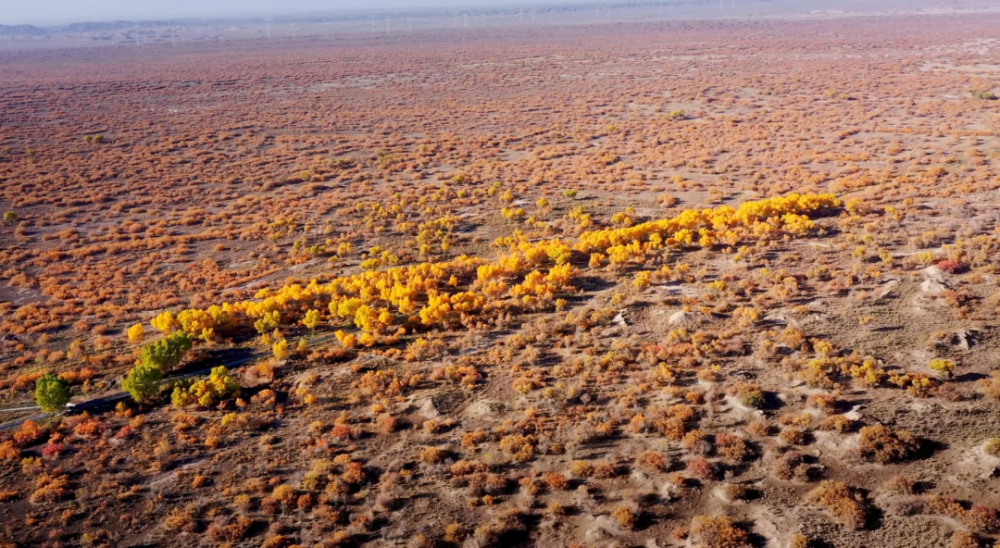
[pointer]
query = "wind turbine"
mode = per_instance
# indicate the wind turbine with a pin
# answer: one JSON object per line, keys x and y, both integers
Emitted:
{"x": 268, "y": 23}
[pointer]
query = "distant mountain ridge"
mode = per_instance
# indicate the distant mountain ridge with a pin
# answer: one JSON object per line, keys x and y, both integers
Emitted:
{"x": 21, "y": 30}
{"x": 91, "y": 26}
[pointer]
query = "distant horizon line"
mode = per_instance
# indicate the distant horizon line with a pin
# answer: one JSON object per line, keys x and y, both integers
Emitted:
{"x": 292, "y": 14}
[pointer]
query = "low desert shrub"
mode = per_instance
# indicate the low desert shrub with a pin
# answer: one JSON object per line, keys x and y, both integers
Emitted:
{"x": 702, "y": 469}
{"x": 992, "y": 447}
{"x": 792, "y": 465}
{"x": 718, "y": 532}
{"x": 880, "y": 444}
{"x": 556, "y": 481}
{"x": 625, "y": 517}
{"x": 845, "y": 504}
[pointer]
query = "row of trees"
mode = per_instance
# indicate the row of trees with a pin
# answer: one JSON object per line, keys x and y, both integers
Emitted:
{"x": 372, "y": 301}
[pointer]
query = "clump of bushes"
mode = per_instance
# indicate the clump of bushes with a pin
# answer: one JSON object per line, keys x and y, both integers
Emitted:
{"x": 749, "y": 395}
{"x": 799, "y": 541}
{"x": 793, "y": 465}
{"x": 625, "y": 517}
{"x": 793, "y": 436}
{"x": 943, "y": 367}
{"x": 900, "y": 484}
{"x": 965, "y": 539}
{"x": 836, "y": 423}
{"x": 950, "y": 266}
{"x": 846, "y": 504}
{"x": 702, "y": 469}
{"x": 219, "y": 386}
{"x": 718, "y": 532}
{"x": 509, "y": 524}
{"x": 982, "y": 519}
{"x": 737, "y": 491}
{"x": 880, "y": 444}
{"x": 433, "y": 455}
{"x": 732, "y": 447}
{"x": 992, "y": 447}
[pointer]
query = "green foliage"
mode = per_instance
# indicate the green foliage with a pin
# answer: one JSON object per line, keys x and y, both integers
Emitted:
{"x": 167, "y": 352}
{"x": 754, "y": 399}
{"x": 985, "y": 95}
{"x": 143, "y": 381}
{"x": 11, "y": 217}
{"x": 51, "y": 393}
{"x": 570, "y": 193}
{"x": 219, "y": 386}
{"x": 750, "y": 395}
{"x": 677, "y": 115}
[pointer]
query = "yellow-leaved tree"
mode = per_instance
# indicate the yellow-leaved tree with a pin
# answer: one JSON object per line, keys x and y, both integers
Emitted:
{"x": 136, "y": 333}
{"x": 311, "y": 320}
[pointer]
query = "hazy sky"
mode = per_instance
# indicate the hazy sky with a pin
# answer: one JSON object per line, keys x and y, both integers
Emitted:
{"x": 14, "y": 12}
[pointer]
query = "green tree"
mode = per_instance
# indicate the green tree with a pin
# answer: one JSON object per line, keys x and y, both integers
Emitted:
{"x": 167, "y": 352}
{"x": 51, "y": 393}
{"x": 143, "y": 381}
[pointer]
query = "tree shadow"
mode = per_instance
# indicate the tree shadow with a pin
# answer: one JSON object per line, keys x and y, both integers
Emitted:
{"x": 756, "y": 539}
{"x": 874, "y": 518}
{"x": 969, "y": 377}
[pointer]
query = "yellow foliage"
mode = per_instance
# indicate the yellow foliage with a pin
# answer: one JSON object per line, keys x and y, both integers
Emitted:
{"x": 373, "y": 299}
{"x": 136, "y": 333}
{"x": 312, "y": 319}
{"x": 280, "y": 349}
{"x": 165, "y": 322}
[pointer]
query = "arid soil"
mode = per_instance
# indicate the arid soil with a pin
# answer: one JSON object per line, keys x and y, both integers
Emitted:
{"x": 706, "y": 284}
